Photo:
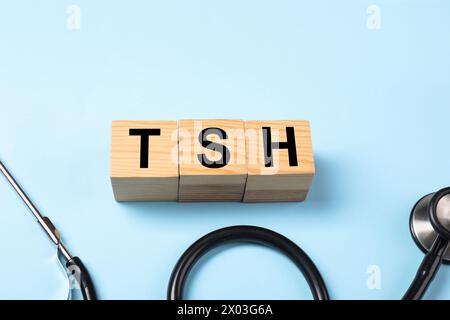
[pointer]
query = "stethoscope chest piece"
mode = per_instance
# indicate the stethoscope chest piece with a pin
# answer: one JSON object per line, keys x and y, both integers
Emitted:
{"x": 430, "y": 217}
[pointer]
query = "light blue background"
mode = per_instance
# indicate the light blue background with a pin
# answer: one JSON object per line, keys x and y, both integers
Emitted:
{"x": 378, "y": 102}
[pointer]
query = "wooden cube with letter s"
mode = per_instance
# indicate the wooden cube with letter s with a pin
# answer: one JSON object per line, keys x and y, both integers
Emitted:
{"x": 280, "y": 160}
{"x": 212, "y": 160}
{"x": 144, "y": 160}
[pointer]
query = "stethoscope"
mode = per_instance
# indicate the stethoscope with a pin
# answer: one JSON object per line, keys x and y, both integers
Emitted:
{"x": 429, "y": 226}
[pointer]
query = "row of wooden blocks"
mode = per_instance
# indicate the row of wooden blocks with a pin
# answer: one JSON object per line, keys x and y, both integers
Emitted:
{"x": 211, "y": 160}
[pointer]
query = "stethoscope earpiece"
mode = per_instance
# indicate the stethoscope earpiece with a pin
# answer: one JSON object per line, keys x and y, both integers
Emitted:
{"x": 430, "y": 218}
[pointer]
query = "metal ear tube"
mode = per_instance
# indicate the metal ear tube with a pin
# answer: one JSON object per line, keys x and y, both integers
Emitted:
{"x": 73, "y": 265}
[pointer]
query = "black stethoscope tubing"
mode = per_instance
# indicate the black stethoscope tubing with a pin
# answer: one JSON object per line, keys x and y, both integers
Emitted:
{"x": 251, "y": 234}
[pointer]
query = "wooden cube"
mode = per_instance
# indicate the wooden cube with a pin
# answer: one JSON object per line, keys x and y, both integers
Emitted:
{"x": 280, "y": 160}
{"x": 144, "y": 160}
{"x": 212, "y": 160}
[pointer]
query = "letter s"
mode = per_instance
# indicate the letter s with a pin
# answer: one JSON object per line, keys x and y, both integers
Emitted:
{"x": 202, "y": 138}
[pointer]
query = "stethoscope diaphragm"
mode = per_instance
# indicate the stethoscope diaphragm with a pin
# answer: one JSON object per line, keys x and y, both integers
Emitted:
{"x": 430, "y": 217}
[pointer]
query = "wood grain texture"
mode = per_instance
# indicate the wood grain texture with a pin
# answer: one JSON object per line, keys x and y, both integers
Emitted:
{"x": 200, "y": 183}
{"x": 175, "y": 169}
{"x": 157, "y": 182}
{"x": 281, "y": 182}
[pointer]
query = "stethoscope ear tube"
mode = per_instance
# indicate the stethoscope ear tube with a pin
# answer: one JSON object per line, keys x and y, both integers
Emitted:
{"x": 245, "y": 234}
{"x": 76, "y": 271}
{"x": 427, "y": 270}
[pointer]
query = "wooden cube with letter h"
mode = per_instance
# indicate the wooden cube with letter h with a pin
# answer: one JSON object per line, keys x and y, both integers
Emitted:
{"x": 212, "y": 160}
{"x": 144, "y": 160}
{"x": 280, "y": 160}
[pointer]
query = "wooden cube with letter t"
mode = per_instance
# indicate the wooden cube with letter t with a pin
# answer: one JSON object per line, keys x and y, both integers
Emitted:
{"x": 280, "y": 160}
{"x": 144, "y": 160}
{"x": 212, "y": 160}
